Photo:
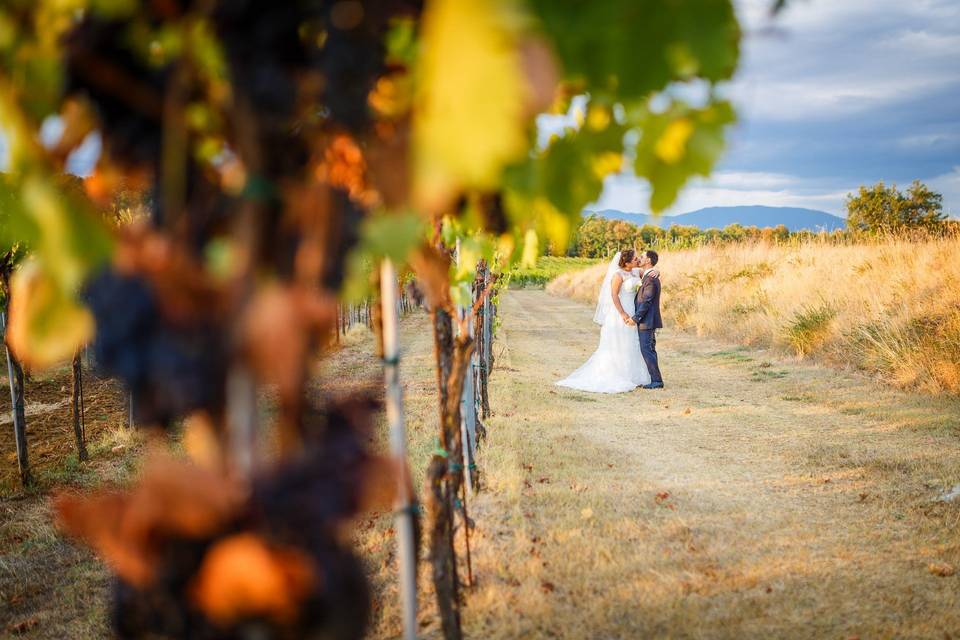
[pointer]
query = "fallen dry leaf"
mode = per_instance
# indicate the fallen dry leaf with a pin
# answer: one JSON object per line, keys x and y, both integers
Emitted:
{"x": 23, "y": 626}
{"x": 942, "y": 569}
{"x": 663, "y": 495}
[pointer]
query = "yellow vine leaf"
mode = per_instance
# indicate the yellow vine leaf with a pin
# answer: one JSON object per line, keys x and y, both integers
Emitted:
{"x": 470, "y": 98}
{"x": 46, "y": 326}
{"x": 531, "y": 249}
{"x": 555, "y": 225}
{"x": 56, "y": 245}
{"x": 672, "y": 144}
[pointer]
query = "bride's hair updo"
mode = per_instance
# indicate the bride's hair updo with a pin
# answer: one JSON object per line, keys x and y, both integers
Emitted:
{"x": 626, "y": 257}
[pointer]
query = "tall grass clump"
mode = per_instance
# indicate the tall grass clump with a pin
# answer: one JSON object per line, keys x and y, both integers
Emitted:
{"x": 887, "y": 305}
{"x": 808, "y": 327}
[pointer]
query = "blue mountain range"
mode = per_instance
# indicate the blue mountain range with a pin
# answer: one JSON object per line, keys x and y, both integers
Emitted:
{"x": 793, "y": 218}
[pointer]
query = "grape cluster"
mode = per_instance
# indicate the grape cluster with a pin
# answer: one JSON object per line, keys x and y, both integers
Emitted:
{"x": 171, "y": 370}
{"x": 299, "y": 506}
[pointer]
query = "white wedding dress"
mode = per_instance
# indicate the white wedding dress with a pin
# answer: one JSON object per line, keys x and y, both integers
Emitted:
{"x": 617, "y": 365}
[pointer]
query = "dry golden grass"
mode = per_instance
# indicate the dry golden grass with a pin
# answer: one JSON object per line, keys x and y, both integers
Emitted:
{"x": 890, "y": 307}
{"x": 753, "y": 498}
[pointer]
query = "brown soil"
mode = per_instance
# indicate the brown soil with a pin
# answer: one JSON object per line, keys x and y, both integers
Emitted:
{"x": 50, "y": 436}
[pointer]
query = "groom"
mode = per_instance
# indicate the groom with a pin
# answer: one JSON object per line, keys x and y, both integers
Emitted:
{"x": 647, "y": 317}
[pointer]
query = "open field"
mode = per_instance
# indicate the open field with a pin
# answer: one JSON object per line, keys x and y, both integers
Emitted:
{"x": 754, "y": 497}
{"x": 890, "y": 307}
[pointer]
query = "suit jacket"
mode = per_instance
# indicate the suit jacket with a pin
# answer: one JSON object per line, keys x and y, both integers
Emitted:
{"x": 647, "y": 305}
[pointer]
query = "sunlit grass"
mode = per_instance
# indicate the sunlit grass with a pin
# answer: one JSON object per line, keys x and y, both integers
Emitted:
{"x": 890, "y": 306}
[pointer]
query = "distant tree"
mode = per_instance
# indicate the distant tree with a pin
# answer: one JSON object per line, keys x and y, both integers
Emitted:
{"x": 591, "y": 238}
{"x": 734, "y": 232}
{"x": 684, "y": 235}
{"x": 885, "y": 209}
{"x": 622, "y": 234}
{"x": 651, "y": 235}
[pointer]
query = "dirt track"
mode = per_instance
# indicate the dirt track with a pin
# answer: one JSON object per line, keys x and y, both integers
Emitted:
{"x": 753, "y": 497}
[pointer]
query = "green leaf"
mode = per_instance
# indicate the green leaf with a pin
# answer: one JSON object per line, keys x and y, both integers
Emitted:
{"x": 631, "y": 48}
{"x": 392, "y": 236}
{"x": 551, "y": 188}
{"x": 678, "y": 144}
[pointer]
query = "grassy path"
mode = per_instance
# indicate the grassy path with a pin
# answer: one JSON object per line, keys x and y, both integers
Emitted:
{"x": 751, "y": 498}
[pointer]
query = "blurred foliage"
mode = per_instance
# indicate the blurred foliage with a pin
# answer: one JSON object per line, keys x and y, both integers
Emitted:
{"x": 471, "y": 75}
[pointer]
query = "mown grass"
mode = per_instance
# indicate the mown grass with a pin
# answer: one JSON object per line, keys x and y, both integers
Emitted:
{"x": 889, "y": 306}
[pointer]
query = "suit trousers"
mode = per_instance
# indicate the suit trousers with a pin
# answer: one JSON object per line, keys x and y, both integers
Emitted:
{"x": 648, "y": 348}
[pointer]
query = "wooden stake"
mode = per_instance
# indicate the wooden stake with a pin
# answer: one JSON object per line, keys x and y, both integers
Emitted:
{"x": 15, "y": 376}
{"x": 76, "y": 407}
{"x": 241, "y": 419}
{"x": 442, "y": 485}
{"x": 403, "y": 520}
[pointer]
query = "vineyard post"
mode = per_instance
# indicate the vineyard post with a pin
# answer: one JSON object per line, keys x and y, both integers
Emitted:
{"x": 76, "y": 407}
{"x": 487, "y": 343}
{"x": 241, "y": 418}
{"x": 468, "y": 407}
{"x": 468, "y": 412}
{"x": 403, "y": 519}
{"x": 15, "y": 376}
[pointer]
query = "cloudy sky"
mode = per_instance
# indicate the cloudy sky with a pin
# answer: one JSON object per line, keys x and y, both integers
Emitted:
{"x": 833, "y": 94}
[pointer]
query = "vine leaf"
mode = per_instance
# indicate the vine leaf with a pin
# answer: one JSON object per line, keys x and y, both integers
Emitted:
{"x": 554, "y": 186}
{"x": 47, "y": 326}
{"x": 679, "y": 144}
{"x": 243, "y": 575}
{"x": 470, "y": 99}
{"x": 631, "y": 48}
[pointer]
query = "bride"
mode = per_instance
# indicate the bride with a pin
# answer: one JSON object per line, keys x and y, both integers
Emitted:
{"x": 617, "y": 365}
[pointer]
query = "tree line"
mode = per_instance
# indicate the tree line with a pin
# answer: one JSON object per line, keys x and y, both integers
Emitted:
{"x": 874, "y": 210}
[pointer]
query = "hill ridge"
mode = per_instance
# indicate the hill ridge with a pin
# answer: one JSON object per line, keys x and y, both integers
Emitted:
{"x": 717, "y": 217}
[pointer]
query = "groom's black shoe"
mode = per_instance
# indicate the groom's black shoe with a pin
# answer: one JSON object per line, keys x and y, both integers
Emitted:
{"x": 653, "y": 385}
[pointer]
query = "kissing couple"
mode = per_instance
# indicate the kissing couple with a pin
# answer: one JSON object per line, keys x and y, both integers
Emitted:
{"x": 628, "y": 312}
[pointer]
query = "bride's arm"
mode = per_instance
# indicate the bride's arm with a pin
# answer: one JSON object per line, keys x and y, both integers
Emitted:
{"x": 615, "y": 294}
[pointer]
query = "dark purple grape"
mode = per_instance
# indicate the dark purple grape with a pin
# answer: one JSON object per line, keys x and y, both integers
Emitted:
{"x": 171, "y": 370}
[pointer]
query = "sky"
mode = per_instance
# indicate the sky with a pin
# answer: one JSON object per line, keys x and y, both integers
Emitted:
{"x": 832, "y": 94}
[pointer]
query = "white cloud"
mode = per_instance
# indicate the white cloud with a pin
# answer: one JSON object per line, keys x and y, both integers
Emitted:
{"x": 928, "y": 140}
{"x": 827, "y": 98}
{"x": 751, "y": 179}
{"x": 823, "y": 59}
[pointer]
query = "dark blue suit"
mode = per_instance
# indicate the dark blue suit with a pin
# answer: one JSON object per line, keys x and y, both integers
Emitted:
{"x": 647, "y": 317}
